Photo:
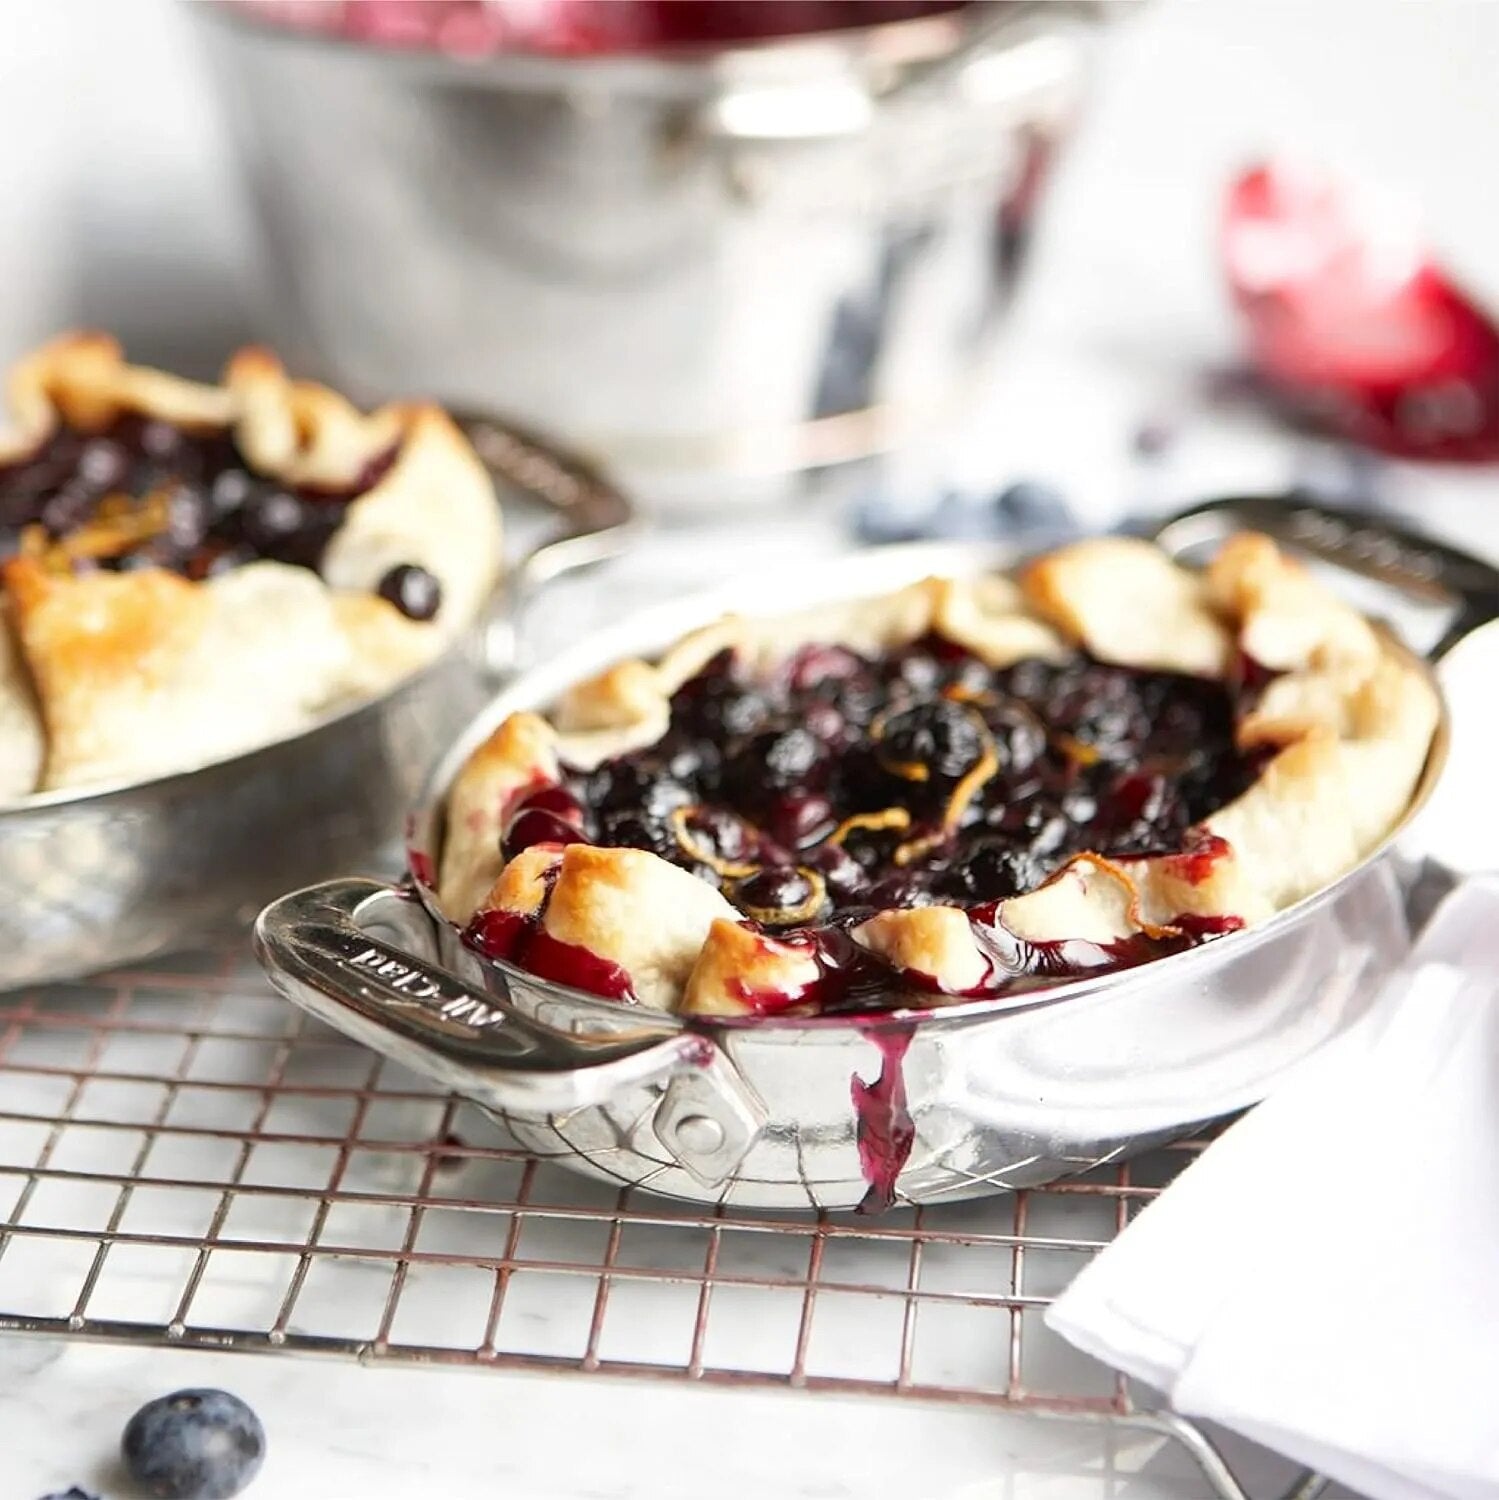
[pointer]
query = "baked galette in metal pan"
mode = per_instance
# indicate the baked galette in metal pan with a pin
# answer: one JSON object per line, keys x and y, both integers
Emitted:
{"x": 954, "y": 791}
{"x": 192, "y": 570}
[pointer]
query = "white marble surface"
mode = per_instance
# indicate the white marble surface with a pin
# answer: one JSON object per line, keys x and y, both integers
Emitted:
{"x": 349, "y": 1434}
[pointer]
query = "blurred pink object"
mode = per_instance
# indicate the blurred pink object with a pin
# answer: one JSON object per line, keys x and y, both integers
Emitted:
{"x": 579, "y": 27}
{"x": 1353, "y": 320}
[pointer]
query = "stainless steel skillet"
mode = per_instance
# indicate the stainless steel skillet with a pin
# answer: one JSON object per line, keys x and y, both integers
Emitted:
{"x": 95, "y": 877}
{"x": 917, "y": 1105}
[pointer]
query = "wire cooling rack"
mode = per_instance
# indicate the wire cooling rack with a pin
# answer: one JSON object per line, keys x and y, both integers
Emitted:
{"x": 185, "y": 1159}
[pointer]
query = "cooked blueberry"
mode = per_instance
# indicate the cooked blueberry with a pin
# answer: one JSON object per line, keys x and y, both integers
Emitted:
{"x": 775, "y": 761}
{"x": 1137, "y": 797}
{"x": 221, "y": 560}
{"x": 776, "y": 890}
{"x": 915, "y": 669}
{"x": 269, "y": 517}
{"x": 554, "y": 798}
{"x": 160, "y": 440}
{"x": 706, "y": 873}
{"x": 1019, "y": 736}
{"x": 538, "y": 826}
{"x": 230, "y": 490}
{"x": 660, "y": 794}
{"x": 1031, "y": 679}
{"x": 900, "y": 890}
{"x": 102, "y": 465}
{"x": 549, "y": 815}
{"x": 825, "y": 723}
{"x": 68, "y": 509}
{"x": 943, "y": 739}
{"x": 796, "y": 819}
{"x": 189, "y": 515}
{"x": 632, "y": 831}
{"x": 846, "y": 878}
{"x": 1079, "y": 806}
{"x": 689, "y": 763}
{"x": 818, "y": 666}
{"x": 721, "y": 833}
{"x": 413, "y": 590}
{"x": 213, "y": 503}
{"x": 193, "y": 1445}
{"x": 304, "y": 548}
{"x": 993, "y": 871}
{"x": 715, "y": 705}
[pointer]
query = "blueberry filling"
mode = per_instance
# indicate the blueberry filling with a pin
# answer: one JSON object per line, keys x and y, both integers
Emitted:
{"x": 843, "y": 785}
{"x": 144, "y": 493}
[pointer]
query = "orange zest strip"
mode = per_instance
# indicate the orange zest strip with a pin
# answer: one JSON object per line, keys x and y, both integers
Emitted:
{"x": 886, "y": 817}
{"x": 1117, "y": 872}
{"x": 688, "y": 843}
{"x": 785, "y": 916}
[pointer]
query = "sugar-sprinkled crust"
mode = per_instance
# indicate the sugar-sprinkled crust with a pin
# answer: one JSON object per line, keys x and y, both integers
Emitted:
{"x": 107, "y": 675}
{"x": 1343, "y": 726}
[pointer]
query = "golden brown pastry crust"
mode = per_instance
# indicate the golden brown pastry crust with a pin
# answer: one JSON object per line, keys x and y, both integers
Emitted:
{"x": 1350, "y": 720}
{"x": 519, "y": 755}
{"x": 135, "y": 674}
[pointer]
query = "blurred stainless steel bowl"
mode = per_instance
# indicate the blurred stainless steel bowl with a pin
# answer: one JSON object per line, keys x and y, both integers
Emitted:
{"x": 712, "y": 272}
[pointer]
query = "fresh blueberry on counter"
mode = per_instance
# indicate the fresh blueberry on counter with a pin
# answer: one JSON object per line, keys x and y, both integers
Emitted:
{"x": 73, "y": 1492}
{"x": 193, "y": 1445}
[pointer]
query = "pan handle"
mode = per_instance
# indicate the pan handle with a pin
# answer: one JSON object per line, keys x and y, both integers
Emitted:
{"x": 1400, "y": 556}
{"x": 597, "y": 521}
{"x": 360, "y": 956}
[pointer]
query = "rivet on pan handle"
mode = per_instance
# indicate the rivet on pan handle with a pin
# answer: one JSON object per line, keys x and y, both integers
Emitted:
{"x": 1397, "y": 555}
{"x": 357, "y": 954}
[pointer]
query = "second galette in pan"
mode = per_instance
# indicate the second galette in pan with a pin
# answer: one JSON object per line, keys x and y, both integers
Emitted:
{"x": 190, "y": 570}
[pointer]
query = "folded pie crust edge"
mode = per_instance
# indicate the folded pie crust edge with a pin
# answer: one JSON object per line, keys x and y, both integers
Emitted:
{"x": 1349, "y": 722}
{"x": 120, "y": 676}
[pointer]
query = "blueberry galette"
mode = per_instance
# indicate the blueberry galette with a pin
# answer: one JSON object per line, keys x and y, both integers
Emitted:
{"x": 958, "y": 790}
{"x": 191, "y": 570}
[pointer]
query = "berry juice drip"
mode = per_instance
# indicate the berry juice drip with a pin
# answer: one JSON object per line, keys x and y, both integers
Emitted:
{"x": 882, "y": 1122}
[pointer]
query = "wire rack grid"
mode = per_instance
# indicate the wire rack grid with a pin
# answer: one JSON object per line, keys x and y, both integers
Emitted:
{"x": 185, "y": 1159}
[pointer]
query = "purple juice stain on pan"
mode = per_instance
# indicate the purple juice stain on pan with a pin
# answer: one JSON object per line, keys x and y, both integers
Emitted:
{"x": 885, "y": 1130}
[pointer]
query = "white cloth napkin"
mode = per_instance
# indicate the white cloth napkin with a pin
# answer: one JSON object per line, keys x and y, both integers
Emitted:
{"x": 1325, "y": 1278}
